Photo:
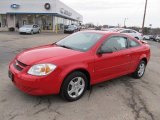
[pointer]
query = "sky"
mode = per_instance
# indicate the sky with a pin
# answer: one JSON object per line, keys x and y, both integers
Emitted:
{"x": 114, "y": 12}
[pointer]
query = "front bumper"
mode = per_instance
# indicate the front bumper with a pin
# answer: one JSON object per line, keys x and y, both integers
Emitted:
{"x": 68, "y": 30}
{"x": 24, "y": 31}
{"x": 35, "y": 85}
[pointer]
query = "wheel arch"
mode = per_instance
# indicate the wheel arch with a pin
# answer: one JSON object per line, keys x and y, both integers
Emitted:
{"x": 84, "y": 71}
{"x": 145, "y": 59}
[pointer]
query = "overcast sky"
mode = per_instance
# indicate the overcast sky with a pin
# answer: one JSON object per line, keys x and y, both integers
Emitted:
{"x": 113, "y": 12}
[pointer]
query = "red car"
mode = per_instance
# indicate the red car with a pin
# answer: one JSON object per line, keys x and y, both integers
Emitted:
{"x": 70, "y": 66}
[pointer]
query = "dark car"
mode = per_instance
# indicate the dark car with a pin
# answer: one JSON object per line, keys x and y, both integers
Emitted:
{"x": 70, "y": 29}
{"x": 152, "y": 37}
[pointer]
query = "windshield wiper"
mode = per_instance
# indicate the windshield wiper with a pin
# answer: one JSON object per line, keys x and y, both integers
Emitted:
{"x": 64, "y": 46}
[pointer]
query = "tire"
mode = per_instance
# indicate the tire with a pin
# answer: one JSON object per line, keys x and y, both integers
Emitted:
{"x": 74, "y": 86}
{"x": 140, "y": 70}
{"x": 39, "y": 31}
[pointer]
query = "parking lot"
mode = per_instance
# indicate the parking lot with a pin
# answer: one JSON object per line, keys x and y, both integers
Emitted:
{"x": 123, "y": 98}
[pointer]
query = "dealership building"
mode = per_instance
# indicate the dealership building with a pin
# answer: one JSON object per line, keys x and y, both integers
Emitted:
{"x": 50, "y": 15}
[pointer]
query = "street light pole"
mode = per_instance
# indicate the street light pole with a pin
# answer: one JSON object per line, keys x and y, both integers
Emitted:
{"x": 125, "y": 22}
{"x": 144, "y": 16}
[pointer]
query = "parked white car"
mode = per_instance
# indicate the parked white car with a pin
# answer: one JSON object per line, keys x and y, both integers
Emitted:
{"x": 146, "y": 37}
{"x": 158, "y": 38}
{"x": 31, "y": 29}
{"x": 132, "y": 33}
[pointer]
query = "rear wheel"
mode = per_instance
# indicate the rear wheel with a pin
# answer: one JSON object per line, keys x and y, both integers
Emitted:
{"x": 74, "y": 86}
{"x": 39, "y": 31}
{"x": 140, "y": 70}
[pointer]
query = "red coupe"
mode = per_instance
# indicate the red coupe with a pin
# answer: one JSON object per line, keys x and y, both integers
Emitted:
{"x": 69, "y": 67}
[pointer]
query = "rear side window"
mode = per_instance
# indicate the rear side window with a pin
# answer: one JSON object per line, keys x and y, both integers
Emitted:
{"x": 116, "y": 43}
{"x": 133, "y": 43}
{"x": 131, "y": 31}
{"x": 125, "y": 31}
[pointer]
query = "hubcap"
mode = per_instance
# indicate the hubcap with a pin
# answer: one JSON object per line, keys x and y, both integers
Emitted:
{"x": 141, "y": 69}
{"x": 76, "y": 87}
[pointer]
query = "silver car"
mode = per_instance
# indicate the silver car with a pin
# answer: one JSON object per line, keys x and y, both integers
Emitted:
{"x": 158, "y": 38}
{"x": 30, "y": 29}
{"x": 132, "y": 33}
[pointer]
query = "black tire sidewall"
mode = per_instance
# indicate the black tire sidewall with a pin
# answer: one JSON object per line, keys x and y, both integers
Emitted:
{"x": 135, "y": 74}
{"x": 64, "y": 92}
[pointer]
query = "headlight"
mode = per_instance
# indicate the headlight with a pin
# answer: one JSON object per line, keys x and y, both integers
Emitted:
{"x": 41, "y": 69}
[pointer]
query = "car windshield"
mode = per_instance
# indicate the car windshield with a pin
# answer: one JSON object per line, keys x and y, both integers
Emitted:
{"x": 81, "y": 41}
{"x": 66, "y": 26}
{"x": 70, "y": 26}
{"x": 28, "y": 26}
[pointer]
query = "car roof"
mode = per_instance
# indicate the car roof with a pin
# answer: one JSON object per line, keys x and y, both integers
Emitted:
{"x": 129, "y": 29}
{"x": 101, "y": 32}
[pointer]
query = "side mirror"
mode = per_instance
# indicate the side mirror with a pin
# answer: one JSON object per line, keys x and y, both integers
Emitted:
{"x": 104, "y": 50}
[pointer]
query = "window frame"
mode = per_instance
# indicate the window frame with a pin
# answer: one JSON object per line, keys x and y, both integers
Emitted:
{"x": 124, "y": 31}
{"x": 134, "y": 41}
{"x": 115, "y": 36}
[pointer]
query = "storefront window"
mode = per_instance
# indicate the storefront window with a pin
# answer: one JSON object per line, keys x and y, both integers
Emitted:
{"x": 3, "y": 21}
{"x": 59, "y": 24}
{"x": 44, "y": 21}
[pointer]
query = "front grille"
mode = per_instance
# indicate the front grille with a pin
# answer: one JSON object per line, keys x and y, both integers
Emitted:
{"x": 22, "y": 64}
{"x": 19, "y": 65}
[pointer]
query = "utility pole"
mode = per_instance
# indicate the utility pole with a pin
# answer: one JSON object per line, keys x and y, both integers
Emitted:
{"x": 144, "y": 16}
{"x": 125, "y": 22}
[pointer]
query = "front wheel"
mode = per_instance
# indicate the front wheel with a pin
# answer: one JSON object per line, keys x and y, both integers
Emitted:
{"x": 140, "y": 70}
{"x": 74, "y": 86}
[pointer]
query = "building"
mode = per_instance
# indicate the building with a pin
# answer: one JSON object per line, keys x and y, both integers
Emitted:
{"x": 50, "y": 15}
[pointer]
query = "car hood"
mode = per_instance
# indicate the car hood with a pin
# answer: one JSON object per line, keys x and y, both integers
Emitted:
{"x": 24, "y": 28}
{"x": 50, "y": 52}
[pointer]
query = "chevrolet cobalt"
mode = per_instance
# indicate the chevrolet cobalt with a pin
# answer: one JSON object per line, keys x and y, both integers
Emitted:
{"x": 69, "y": 67}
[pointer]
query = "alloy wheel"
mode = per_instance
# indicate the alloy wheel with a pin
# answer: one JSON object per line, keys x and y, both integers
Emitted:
{"x": 76, "y": 87}
{"x": 141, "y": 69}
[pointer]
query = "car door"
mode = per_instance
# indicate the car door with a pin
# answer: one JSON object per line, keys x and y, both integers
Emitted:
{"x": 117, "y": 63}
{"x": 136, "y": 49}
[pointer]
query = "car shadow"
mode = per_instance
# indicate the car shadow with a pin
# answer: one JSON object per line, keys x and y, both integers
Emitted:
{"x": 125, "y": 80}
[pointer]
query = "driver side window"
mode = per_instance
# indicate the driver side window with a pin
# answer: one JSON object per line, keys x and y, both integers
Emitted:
{"x": 115, "y": 43}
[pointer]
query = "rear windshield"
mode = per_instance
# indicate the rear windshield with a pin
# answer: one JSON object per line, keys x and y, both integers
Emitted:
{"x": 28, "y": 26}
